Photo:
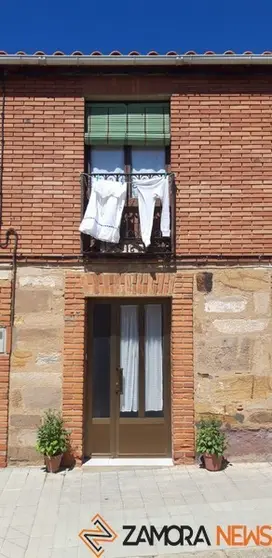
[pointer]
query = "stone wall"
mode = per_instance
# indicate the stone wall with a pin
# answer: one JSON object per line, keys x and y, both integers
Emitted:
{"x": 233, "y": 357}
{"x": 232, "y": 352}
{"x": 36, "y": 361}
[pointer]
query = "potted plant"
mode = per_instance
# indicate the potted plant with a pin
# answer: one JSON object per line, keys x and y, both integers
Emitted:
{"x": 211, "y": 443}
{"x": 52, "y": 440}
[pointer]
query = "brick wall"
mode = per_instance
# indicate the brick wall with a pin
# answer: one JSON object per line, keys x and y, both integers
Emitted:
{"x": 5, "y": 300}
{"x": 221, "y": 155}
{"x": 180, "y": 288}
{"x": 182, "y": 386}
{"x": 43, "y": 159}
{"x": 73, "y": 366}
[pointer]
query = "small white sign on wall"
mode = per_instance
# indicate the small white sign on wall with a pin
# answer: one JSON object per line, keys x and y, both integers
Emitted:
{"x": 2, "y": 340}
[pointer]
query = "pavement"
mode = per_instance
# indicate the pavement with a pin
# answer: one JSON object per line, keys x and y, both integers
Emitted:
{"x": 41, "y": 515}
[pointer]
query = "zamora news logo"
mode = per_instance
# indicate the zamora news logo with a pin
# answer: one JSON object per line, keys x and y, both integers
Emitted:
{"x": 174, "y": 535}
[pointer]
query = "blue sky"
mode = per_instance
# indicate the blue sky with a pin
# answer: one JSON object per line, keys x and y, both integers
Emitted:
{"x": 141, "y": 25}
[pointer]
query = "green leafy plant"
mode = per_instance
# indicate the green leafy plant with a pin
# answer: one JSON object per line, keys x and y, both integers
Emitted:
{"x": 52, "y": 437}
{"x": 210, "y": 440}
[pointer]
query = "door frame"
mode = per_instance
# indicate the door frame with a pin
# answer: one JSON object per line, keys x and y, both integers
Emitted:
{"x": 114, "y": 419}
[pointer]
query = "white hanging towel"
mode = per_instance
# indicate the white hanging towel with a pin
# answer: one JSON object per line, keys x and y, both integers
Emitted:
{"x": 148, "y": 190}
{"x": 104, "y": 211}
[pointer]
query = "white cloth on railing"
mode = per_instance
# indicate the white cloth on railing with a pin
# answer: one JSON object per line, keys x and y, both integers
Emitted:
{"x": 148, "y": 190}
{"x": 104, "y": 211}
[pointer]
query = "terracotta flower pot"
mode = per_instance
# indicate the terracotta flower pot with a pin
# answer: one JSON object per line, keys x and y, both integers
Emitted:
{"x": 213, "y": 462}
{"x": 52, "y": 463}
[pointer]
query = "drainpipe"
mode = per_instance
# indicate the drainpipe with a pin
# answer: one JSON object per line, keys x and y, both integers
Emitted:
{"x": 2, "y": 125}
{"x": 3, "y": 245}
{"x": 10, "y": 232}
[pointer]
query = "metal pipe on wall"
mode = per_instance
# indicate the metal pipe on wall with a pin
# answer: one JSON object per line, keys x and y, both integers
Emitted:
{"x": 2, "y": 139}
{"x": 83, "y": 258}
{"x": 3, "y": 245}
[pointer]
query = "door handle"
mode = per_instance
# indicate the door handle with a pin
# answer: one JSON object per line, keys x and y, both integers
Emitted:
{"x": 119, "y": 382}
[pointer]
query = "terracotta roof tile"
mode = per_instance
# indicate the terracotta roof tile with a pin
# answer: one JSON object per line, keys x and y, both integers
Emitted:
{"x": 133, "y": 53}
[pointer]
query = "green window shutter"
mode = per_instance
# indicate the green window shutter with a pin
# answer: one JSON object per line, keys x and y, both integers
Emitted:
{"x": 148, "y": 123}
{"x": 127, "y": 124}
{"x": 106, "y": 124}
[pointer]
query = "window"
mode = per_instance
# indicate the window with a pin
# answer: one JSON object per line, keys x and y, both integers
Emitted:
{"x": 103, "y": 160}
{"x": 148, "y": 159}
{"x": 136, "y": 159}
{"x": 127, "y": 137}
{"x": 107, "y": 160}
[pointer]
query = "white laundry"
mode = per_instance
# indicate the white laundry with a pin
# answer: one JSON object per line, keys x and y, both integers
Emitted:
{"x": 104, "y": 211}
{"x": 148, "y": 190}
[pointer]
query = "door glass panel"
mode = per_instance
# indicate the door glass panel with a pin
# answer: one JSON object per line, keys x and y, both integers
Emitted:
{"x": 107, "y": 160}
{"x": 153, "y": 361}
{"x": 129, "y": 361}
{"x": 147, "y": 160}
{"x": 101, "y": 360}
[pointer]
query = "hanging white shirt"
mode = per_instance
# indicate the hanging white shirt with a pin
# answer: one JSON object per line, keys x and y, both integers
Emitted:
{"x": 103, "y": 215}
{"x": 148, "y": 190}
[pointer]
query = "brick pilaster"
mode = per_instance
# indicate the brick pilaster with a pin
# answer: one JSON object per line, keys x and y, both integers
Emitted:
{"x": 179, "y": 287}
{"x": 5, "y": 302}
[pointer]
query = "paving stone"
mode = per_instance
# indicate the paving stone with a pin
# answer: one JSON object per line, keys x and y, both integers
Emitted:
{"x": 41, "y": 515}
{"x": 11, "y": 549}
{"x": 33, "y": 547}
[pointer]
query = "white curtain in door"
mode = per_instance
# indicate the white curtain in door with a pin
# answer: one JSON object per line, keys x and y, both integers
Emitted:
{"x": 153, "y": 358}
{"x": 129, "y": 358}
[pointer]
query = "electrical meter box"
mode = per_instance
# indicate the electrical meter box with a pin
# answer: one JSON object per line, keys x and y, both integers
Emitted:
{"x": 2, "y": 340}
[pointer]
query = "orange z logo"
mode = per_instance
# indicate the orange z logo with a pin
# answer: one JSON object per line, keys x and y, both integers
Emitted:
{"x": 102, "y": 533}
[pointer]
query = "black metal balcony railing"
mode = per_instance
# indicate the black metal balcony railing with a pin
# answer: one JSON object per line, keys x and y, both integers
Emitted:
{"x": 130, "y": 233}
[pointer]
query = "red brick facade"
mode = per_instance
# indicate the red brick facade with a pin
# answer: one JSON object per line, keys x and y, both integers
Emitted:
{"x": 179, "y": 287}
{"x": 43, "y": 158}
{"x": 220, "y": 154}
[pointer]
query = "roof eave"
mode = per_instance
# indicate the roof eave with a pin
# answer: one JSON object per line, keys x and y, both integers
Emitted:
{"x": 135, "y": 61}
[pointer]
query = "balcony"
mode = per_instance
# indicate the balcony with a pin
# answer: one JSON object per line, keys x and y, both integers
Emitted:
{"x": 131, "y": 243}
